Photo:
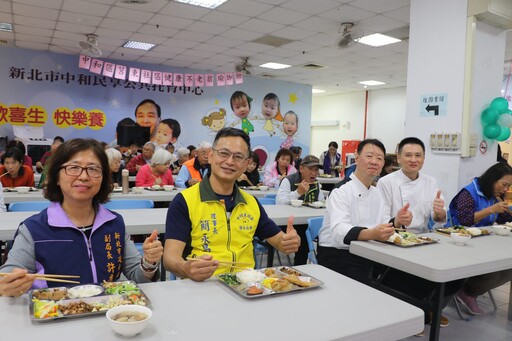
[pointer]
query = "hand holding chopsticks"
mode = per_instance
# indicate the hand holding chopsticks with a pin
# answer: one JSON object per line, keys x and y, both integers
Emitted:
{"x": 509, "y": 211}
{"x": 1, "y": 176}
{"x": 50, "y": 278}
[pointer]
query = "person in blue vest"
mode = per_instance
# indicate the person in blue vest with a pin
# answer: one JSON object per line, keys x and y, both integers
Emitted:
{"x": 76, "y": 234}
{"x": 482, "y": 203}
{"x": 331, "y": 160}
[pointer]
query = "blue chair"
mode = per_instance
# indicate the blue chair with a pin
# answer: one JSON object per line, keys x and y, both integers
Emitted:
{"x": 314, "y": 225}
{"x": 267, "y": 201}
{"x": 119, "y": 204}
{"x": 272, "y": 195}
{"x": 28, "y": 206}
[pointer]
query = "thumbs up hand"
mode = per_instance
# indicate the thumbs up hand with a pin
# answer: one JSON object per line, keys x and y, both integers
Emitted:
{"x": 403, "y": 216}
{"x": 153, "y": 249}
{"x": 290, "y": 241}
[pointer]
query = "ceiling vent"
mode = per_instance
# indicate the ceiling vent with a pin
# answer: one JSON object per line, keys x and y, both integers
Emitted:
{"x": 312, "y": 66}
{"x": 272, "y": 41}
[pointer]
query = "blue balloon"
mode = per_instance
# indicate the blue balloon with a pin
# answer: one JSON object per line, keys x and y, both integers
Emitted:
{"x": 489, "y": 116}
{"x": 504, "y": 134}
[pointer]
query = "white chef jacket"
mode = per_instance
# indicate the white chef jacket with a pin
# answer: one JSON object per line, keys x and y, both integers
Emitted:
{"x": 397, "y": 190}
{"x": 350, "y": 205}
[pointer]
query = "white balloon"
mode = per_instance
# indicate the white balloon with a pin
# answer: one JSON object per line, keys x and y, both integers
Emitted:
{"x": 505, "y": 120}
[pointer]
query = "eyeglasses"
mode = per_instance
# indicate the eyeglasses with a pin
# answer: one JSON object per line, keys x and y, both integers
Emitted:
{"x": 74, "y": 170}
{"x": 225, "y": 154}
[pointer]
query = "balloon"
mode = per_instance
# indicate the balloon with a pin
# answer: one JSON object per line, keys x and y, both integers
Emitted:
{"x": 508, "y": 112}
{"x": 489, "y": 116}
{"x": 505, "y": 120}
{"x": 492, "y": 131}
{"x": 504, "y": 135}
{"x": 499, "y": 104}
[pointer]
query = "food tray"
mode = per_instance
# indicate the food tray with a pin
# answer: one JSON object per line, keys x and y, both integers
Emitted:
{"x": 154, "y": 189}
{"x": 310, "y": 204}
{"x": 448, "y": 230}
{"x": 421, "y": 241}
{"x": 56, "y": 300}
{"x": 279, "y": 273}
{"x": 13, "y": 189}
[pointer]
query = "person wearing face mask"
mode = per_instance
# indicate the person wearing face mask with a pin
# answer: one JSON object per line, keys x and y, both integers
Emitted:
{"x": 279, "y": 169}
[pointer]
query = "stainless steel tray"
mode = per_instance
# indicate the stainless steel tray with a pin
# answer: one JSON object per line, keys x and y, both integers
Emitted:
{"x": 241, "y": 288}
{"x": 101, "y": 302}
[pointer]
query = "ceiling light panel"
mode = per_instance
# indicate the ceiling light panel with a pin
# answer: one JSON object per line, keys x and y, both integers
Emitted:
{"x": 377, "y": 39}
{"x": 138, "y": 45}
{"x": 203, "y": 3}
{"x": 275, "y": 66}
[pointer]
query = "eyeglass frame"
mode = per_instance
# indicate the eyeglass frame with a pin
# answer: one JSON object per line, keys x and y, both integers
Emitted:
{"x": 65, "y": 167}
{"x": 228, "y": 154}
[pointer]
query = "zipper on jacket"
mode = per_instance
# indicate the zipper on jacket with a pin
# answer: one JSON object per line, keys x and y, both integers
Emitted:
{"x": 90, "y": 249}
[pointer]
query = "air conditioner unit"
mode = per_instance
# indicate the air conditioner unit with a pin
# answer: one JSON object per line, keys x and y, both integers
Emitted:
{"x": 497, "y": 13}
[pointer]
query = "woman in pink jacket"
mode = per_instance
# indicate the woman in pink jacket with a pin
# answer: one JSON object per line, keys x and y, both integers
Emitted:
{"x": 157, "y": 172}
{"x": 279, "y": 169}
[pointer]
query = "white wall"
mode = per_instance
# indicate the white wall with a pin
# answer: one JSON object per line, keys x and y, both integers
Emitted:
{"x": 385, "y": 121}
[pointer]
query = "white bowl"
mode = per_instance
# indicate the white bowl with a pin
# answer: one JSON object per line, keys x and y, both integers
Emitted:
{"x": 156, "y": 187}
{"x": 128, "y": 328}
{"x": 22, "y": 189}
{"x": 138, "y": 190}
{"x": 460, "y": 239}
{"x": 263, "y": 188}
{"x": 296, "y": 202}
{"x": 168, "y": 188}
{"x": 502, "y": 230}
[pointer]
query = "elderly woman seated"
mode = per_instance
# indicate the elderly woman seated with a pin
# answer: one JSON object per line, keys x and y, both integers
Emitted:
{"x": 114, "y": 162}
{"x": 157, "y": 172}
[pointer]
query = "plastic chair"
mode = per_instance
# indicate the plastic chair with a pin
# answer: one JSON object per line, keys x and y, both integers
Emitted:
{"x": 267, "y": 201}
{"x": 28, "y": 206}
{"x": 314, "y": 225}
{"x": 272, "y": 195}
{"x": 120, "y": 204}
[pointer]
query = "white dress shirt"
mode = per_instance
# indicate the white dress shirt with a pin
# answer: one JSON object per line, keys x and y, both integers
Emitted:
{"x": 350, "y": 205}
{"x": 397, "y": 190}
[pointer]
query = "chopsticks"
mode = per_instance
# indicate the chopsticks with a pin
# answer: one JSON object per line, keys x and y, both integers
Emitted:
{"x": 50, "y": 278}
{"x": 223, "y": 263}
{"x": 508, "y": 208}
{"x": 4, "y": 174}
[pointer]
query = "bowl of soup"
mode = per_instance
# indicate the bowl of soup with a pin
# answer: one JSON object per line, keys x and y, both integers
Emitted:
{"x": 22, "y": 189}
{"x": 129, "y": 320}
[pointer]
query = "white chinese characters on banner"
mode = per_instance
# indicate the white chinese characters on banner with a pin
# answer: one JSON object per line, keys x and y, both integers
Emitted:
{"x": 117, "y": 71}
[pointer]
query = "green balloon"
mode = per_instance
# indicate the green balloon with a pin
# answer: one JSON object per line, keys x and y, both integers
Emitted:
{"x": 504, "y": 134}
{"x": 489, "y": 116}
{"x": 492, "y": 131}
{"x": 499, "y": 104}
{"x": 508, "y": 112}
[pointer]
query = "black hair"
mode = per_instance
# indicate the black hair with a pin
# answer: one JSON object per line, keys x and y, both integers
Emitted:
{"x": 16, "y": 144}
{"x": 284, "y": 152}
{"x": 174, "y": 125}
{"x": 158, "y": 110}
{"x": 254, "y": 157}
{"x": 491, "y": 176}
{"x": 374, "y": 142}
{"x": 272, "y": 96}
{"x": 14, "y": 153}
{"x": 235, "y": 132}
{"x": 58, "y": 138}
{"x": 389, "y": 160}
{"x": 66, "y": 151}
{"x": 191, "y": 148}
{"x": 240, "y": 95}
{"x": 333, "y": 144}
{"x": 410, "y": 140}
{"x": 295, "y": 150}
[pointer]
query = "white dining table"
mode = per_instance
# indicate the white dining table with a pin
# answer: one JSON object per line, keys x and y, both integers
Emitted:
{"x": 341, "y": 309}
{"x": 11, "y": 196}
{"x": 441, "y": 262}
{"x": 145, "y": 220}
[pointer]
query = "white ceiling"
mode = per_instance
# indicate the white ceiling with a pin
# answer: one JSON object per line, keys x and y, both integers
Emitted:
{"x": 215, "y": 40}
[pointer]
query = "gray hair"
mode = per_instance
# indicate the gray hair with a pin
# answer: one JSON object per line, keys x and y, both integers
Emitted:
{"x": 183, "y": 151}
{"x": 204, "y": 145}
{"x": 150, "y": 144}
{"x": 113, "y": 154}
{"x": 161, "y": 157}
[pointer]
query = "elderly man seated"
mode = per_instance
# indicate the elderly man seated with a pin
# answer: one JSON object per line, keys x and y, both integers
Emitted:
{"x": 194, "y": 170}
{"x": 301, "y": 185}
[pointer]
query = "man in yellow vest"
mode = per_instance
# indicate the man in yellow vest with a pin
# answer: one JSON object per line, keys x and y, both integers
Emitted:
{"x": 215, "y": 221}
{"x": 193, "y": 170}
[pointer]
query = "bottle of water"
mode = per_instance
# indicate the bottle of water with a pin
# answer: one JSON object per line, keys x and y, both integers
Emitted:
{"x": 125, "y": 183}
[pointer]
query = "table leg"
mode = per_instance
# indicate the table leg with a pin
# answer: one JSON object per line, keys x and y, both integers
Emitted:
{"x": 436, "y": 313}
{"x": 270, "y": 256}
{"x": 510, "y": 303}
